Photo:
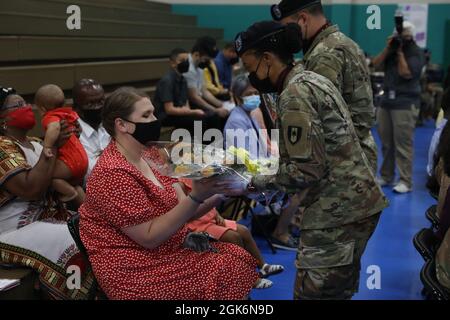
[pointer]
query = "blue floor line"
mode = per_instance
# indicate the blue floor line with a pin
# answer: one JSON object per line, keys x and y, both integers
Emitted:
{"x": 390, "y": 248}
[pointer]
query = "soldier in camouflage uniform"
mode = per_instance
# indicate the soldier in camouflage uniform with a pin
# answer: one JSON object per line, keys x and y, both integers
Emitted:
{"x": 320, "y": 159}
{"x": 330, "y": 53}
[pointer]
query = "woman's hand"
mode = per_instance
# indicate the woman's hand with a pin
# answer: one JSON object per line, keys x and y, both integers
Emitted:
{"x": 206, "y": 188}
{"x": 77, "y": 130}
{"x": 64, "y": 134}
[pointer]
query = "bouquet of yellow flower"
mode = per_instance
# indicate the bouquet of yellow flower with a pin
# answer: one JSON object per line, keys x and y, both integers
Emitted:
{"x": 262, "y": 166}
{"x": 197, "y": 161}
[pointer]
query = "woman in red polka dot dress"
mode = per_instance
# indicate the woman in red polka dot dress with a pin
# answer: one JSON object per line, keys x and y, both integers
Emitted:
{"x": 133, "y": 222}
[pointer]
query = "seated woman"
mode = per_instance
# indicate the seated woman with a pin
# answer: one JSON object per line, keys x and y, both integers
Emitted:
{"x": 241, "y": 129}
{"x": 33, "y": 232}
{"x": 133, "y": 222}
{"x": 231, "y": 232}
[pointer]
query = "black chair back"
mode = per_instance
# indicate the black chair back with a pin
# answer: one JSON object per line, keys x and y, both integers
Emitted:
{"x": 426, "y": 243}
{"x": 431, "y": 215}
{"x": 74, "y": 228}
{"x": 434, "y": 290}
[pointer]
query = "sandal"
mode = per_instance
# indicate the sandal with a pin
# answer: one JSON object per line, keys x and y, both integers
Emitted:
{"x": 270, "y": 270}
{"x": 262, "y": 284}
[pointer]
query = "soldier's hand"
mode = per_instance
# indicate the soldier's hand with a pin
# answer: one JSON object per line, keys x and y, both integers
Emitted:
{"x": 233, "y": 188}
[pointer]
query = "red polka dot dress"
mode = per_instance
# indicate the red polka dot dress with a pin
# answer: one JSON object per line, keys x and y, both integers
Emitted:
{"x": 119, "y": 196}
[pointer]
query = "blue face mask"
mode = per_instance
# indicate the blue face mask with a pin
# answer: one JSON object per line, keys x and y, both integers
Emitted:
{"x": 251, "y": 102}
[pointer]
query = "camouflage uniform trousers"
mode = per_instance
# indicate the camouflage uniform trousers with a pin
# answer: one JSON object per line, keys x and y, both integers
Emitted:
{"x": 329, "y": 260}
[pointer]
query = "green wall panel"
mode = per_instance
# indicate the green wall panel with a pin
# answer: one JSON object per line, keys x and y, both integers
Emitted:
{"x": 350, "y": 18}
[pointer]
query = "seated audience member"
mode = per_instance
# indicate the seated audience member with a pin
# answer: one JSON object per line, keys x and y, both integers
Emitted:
{"x": 442, "y": 159}
{"x": 443, "y": 262}
{"x": 224, "y": 62}
{"x": 133, "y": 222}
{"x": 229, "y": 231}
{"x": 213, "y": 83}
{"x": 199, "y": 97}
{"x": 443, "y": 177}
{"x": 88, "y": 101}
{"x": 241, "y": 130}
{"x": 72, "y": 161}
{"x": 171, "y": 98}
{"x": 437, "y": 134}
{"x": 33, "y": 232}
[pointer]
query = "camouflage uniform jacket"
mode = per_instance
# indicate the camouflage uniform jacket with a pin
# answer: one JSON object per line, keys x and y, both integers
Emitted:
{"x": 320, "y": 152}
{"x": 338, "y": 58}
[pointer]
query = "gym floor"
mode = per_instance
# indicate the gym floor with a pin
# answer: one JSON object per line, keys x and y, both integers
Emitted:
{"x": 390, "y": 248}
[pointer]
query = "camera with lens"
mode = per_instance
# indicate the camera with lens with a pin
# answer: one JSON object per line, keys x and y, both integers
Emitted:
{"x": 397, "y": 41}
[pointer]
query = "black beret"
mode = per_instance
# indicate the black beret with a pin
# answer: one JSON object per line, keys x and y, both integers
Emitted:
{"x": 256, "y": 34}
{"x": 288, "y": 7}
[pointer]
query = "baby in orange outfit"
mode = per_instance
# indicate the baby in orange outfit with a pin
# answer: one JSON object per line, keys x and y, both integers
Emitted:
{"x": 72, "y": 160}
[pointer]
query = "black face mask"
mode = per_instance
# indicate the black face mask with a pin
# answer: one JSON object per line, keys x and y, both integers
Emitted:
{"x": 263, "y": 86}
{"x": 183, "y": 67}
{"x": 233, "y": 61}
{"x": 146, "y": 131}
{"x": 93, "y": 117}
{"x": 203, "y": 64}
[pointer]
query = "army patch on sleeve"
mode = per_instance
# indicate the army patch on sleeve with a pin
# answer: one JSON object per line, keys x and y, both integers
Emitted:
{"x": 297, "y": 134}
{"x": 294, "y": 134}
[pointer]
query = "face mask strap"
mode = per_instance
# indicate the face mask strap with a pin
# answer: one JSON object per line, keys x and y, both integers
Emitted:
{"x": 268, "y": 72}
{"x": 259, "y": 64}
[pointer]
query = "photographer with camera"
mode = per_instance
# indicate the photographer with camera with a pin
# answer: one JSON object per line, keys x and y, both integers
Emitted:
{"x": 402, "y": 61}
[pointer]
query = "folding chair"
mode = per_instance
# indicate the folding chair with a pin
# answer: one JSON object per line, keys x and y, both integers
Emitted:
{"x": 74, "y": 228}
{"x": 426, "y": 243}
{"x": 432, "y": 288}
{"x": 431, "y": 215}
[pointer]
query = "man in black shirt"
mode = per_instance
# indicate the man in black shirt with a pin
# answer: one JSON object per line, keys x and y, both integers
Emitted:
{"x": 171, "y": 97}
{"x": 402, "y": 63}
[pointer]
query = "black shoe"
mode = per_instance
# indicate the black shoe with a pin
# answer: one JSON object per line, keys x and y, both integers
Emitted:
{"x": 291, "y": 244}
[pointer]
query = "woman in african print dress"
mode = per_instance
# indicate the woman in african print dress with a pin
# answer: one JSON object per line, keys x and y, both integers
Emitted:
{"x": 33, "y": 231}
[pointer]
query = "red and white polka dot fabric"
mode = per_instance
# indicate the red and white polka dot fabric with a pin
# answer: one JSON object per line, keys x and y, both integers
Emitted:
{"x": 117, "y": 196}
